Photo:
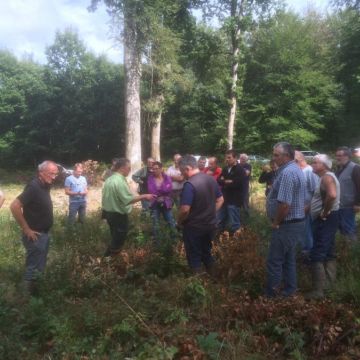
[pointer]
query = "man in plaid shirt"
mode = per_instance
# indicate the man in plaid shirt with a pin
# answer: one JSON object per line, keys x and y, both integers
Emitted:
{"x": 286, "y": 210}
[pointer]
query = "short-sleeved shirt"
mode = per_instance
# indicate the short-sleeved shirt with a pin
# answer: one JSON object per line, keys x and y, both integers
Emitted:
{"x": 37, "y": 205}
{"x": 289, "y": 188}
{"x": 76, "y": 184}
{"x": 173, "y": 171}
{"x": 116, "y": 195}
{"x": 312, "y": 182}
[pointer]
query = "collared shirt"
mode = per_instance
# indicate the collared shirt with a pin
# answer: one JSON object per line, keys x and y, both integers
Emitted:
{"x": 173, "y": 171}
{"x": 116, "y": 195}
{"x": 289, "y": 188}
{"x": 312, "y": 182}
{"x": 76, "y": 184}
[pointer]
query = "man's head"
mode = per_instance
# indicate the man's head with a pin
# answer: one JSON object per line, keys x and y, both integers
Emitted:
{"x": 48, "y": 171}
{"x": 343, "y": 155}
{"x": 243, "y": 158}
{"x": 321, "y": 164}
{"x": 113, "y": 162}
{"x": 202, "y": 163}
{"x": 300, "y": 159}
{"x": 122, "y": 166}
{"x": 212, "y": 163}
{"x": 188, "y": 166}
{"x": 177, "y": 158}
{"x": 283, "y": 152}
{"x": 231, "y": 157}
{"x": 78, "y": 170}
{"x": 150, "y": 162}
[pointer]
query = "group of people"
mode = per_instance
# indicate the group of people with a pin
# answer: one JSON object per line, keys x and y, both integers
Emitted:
{"x": 305, "y": 204}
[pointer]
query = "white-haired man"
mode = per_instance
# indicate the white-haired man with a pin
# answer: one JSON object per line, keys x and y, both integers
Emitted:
{"x": 325, "y": 216}
{"x": 33, "y": 211}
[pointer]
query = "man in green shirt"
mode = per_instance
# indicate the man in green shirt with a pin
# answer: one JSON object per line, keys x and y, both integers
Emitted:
{"x": 117, "y": 201}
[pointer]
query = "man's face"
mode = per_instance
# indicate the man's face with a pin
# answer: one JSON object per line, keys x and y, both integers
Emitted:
{"x": 126, "y": 169}
{"x": 201, "y": 164}
{"x": 341, "y": 158}
{"x": 317, "y": 166}
{"x": 212, "y": 164}
{"x": 78, "y": 171}
{"x": 279, "y": 157}
{"x": 49, "y": 174}
{"x": 243, "y": 160}
{"x": 150, "y": 163}
{"x": 230, "y": 160}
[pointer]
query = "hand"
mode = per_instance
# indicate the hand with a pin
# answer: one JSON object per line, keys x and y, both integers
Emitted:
{"x": 275, "y": 226}
{"x": 31, "y": 234}
{"x": 149, "y": 197}
{"x": 356, "y": 208}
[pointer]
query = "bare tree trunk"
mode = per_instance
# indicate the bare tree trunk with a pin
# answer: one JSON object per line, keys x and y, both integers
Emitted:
{"x": 155, "y": 137}
{"x": 132, "y": 65}
{"x": 236, "y": 13}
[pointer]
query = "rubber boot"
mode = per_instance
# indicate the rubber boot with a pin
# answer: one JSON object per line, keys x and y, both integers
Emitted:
{"x": 318, "y": 276}
{"x": 330, "y": 270}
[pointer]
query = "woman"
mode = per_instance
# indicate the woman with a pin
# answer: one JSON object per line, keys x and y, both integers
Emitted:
{"x": 160, "y": 184}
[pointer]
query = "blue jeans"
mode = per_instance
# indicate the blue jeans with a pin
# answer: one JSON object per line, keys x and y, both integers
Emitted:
{"x": 347, "y": 224}
{"x": 78, "y": 207}
{"x": 197, "y": 245}
{"x": 308, "y": 239}
{"x": 36, "y": 255}
{"x": 167, "y": 214}
{"x": 324, "y": 238}
{"x": 229, "y": 214}
{"x": 281, "y": 260}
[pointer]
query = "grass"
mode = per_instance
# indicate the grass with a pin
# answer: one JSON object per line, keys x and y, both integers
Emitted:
{"x": 145, "y": 305}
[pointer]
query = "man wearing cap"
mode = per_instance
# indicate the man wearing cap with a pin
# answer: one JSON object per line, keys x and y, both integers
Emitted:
{"x": 348, "y": 174}
{"x": 285, "y": 206}
{"x": 33, "y": 211}
{"x": 325, "y": 216}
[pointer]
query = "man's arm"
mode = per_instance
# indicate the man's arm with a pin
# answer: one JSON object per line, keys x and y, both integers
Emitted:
{"x": 281, "y": 213}
{"x": 329, "y": 185}
{"x": 148, "y": 197}
{"x": 16, "y": 209}
{"x": 219, "y": 202}
{"x": 2, "y": 198}
{"x": 184, "y": 212}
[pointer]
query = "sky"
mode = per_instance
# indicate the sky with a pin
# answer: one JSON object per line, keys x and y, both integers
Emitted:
{"x": 27, "y": 27}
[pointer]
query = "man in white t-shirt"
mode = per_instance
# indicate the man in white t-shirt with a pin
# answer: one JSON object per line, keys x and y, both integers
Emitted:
{"x": 177, "y": 179}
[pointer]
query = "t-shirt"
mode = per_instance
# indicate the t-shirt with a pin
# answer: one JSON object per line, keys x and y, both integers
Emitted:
{"x": 76, "y": 184}
{"x": 116, "y": 195}
{"x": 37, "y": 205}
{"x": 173, "y": 171}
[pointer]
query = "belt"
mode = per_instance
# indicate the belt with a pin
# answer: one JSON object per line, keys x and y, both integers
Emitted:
{"x": 292, "y": 221}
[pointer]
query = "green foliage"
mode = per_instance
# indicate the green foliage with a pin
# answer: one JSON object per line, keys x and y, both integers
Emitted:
{"x": 195, "y": 293}
{"x": 210, "y": 344}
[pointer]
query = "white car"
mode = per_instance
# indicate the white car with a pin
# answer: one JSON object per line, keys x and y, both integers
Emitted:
{"x": 309, "y": 154}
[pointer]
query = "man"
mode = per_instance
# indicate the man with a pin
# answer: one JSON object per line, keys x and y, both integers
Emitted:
{"x": 176, "y": 178}
{"x": 286, "y": 209}
{"x": 117, "y": 201}
{"x": 202, "y": 163}
{"x": 247, "y": 168}
{"x": 213, "y": 169}
{"x": 348, "y": 174}
{"x": 108, "y": 172}
{"x": 324, "y": 213}
{"x": 2, "y": 198}
{"x": 231, "y": 181}
{"x": 33, "y": 211}
{"x": 200, "y": 200}
{"x": 141, "y": 177}
{"x": 312, "y": 181}
{"x": 76, "y": 189}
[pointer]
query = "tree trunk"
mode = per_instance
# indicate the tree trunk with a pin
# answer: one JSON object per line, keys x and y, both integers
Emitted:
{"x": 155, "y": 137}
{"x": 132, "y": 65}
{"x": 236, "y": 14}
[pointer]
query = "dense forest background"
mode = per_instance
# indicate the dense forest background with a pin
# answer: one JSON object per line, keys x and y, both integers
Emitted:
{"x": 298, "y": 77}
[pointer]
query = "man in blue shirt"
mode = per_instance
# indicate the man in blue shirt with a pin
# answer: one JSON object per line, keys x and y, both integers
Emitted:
{"x": 285, "y": 207}
{"x": 200, "y": 199}
{"x": 76, "y": 188}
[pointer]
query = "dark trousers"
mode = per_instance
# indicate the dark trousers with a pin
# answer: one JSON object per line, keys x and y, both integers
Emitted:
{"x": 118, "y": 224}
{"x": 324, "y": 238}
{"x": 198, "y": 247}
